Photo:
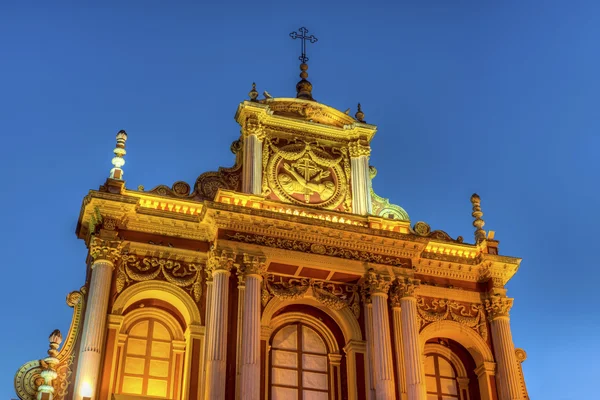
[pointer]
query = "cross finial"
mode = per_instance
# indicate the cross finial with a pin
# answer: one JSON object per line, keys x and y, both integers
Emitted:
{"x": 302, "y": 35}
{"x": 304, "y": 87}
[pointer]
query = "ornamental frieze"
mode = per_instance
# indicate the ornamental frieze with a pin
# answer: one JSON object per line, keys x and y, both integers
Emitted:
{"x": 187, "y": 276}
{"x": 335, "y": 296}
{"x": 320, "y": 249}
{"x": 469, "y": 314}
{"x": 28, "y": 377}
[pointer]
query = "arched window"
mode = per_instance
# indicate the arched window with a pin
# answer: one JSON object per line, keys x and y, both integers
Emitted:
{"x": 148, "y": 366}
{"x": 440, "y": 378}
{"x": 299, "y": 364}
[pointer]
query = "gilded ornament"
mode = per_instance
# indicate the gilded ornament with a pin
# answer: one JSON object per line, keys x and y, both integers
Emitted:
{"x": 498, "y": 306}
{"x": 405, "y": 287}
{"x": 357, "y": 149}
{"x": 303, "y": 173}
{"x": 101, "y": 249}
{"x": 136, "y": 269}
{"x": 470, "y": 315}
{"x": 307, "y": 247}
{"x": 376, "y": 283}
{"x": 254, "y": 265}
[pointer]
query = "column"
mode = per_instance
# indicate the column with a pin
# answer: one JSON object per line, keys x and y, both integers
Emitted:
{"x": 369, "y": 363}
{"x": 209, "y": 286}
{"x": 413, "y": 358}
{"x": 351, "y": 349}
{"x": 104, "y": 253}
{"x": 497, "y": 307}
{"x": 361, "y": 178}
{"x": 378, "y": 287}
{"x": 216, "y": 353}
{"x": 398, "y": 345}
{"x": 240, "y": 334}
{"x": 253, "y": 147}
{"x": 254, "y": 267}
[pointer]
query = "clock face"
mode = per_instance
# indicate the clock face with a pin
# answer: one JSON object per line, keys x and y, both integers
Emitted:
{"x": 303, "y": 174}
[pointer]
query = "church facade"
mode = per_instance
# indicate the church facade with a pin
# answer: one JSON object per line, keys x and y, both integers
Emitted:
{"x": 282, "y": 277}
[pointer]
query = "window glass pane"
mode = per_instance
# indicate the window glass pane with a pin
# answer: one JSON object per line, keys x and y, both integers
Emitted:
{"x": 285, "y": 358}
{"x": 134, "y": 365}
{"x": 279, "y": 393}
{"x": 445, "y": 368}
{"x": 160, "y": 332}
{"x": 431, "y": 384}
{"x": 159, "y": 368}
{"x": 161, "y": 349}
{"x": 136, "y": 347}
{"x": 429, "y": 365}
{"x": 312, "y": 395}
{"x": 312, "y": 342}
{"x": 157, "y": 387}
{"x": 432, "y": 397}
{"x": 286, "y": 338}
{"x": 314, "y": 363}
{"x": 288, "y": 377}
{"x": 448, "y": 386}
{"x": 140, "y": 329}
{"x": 132, "y": 385}
{"x": 314, "y": 380}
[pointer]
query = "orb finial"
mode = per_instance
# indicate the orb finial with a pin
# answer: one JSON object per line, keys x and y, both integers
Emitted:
{"x": 477, "y": 214}
{"x": 253, "y": 93}
{"x": 118, "y": 161}
{"x": 360, "y": 115}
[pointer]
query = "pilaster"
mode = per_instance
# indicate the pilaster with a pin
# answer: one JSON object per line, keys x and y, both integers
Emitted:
{"x": 361, "y": 177}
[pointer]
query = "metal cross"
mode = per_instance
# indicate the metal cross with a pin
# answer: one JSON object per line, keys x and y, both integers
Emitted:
{"x": 302, "y": 35}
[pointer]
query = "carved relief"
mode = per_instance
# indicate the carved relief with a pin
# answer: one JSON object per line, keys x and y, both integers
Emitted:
{"x": 27, "y": 378}
{"x": 306, "y": 247}
{"x": 403, "y": 287}
{"x": 468, "y": 314}
{"x": 305, "y": 173}
{"x": 335, "y": 296}
{"x": 139, "y": 269}
{"x": 498, "y": 306}
{"x": 101, "y": 249}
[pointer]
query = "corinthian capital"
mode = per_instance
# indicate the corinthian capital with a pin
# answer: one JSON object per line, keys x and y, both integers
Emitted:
{"x": 498, "y": 306}
{"x": 254, "y": 265}
{"x": 404, "y": 287}
{"x": 101, "y": 249}
{"x": 254, "y": 127}
{"x": 376, "y": 283}
{"x": 220, "y": 260}
{"x": 357, "y": 149}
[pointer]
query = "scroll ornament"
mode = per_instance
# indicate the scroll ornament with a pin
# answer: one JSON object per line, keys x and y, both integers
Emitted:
{"x": 498, "y": 306}
{"x": 470, "y": 315}
{"x": 185, "y": 275}
{"x": 29, "y": 377}
{"x": 335, "y": 296}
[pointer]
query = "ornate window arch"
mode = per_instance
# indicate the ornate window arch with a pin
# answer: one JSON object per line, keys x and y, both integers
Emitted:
{"x": 151, "y": 354}
{"x": 445, "y": 374}
{"x": 303, "y": 359}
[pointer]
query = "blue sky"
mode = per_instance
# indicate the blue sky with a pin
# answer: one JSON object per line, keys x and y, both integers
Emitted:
{"x": 498, "y": 98}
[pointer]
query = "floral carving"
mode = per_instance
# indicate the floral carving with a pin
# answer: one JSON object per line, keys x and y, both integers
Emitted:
{"x": 336, "y": 296}
{"x": 498, "y": 306}
{"x": 101, "y": 249}
{"x": 184, "y": 275}
{"x": 470, "y": 315}
{"x": 307, "y": 247}
{"x": 376, "y": 283}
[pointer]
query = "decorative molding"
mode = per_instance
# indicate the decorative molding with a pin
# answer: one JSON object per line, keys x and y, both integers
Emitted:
{"x": 433, "y": 310}
{"x": 498, "y": 306}
{"x": 101, "y": 249}
{"x": 335, "y": 296}
{"x": 139, "y": 269}
{"x": 316, "y": 248}
{"x": 27, "y": 379}
{"x": 358, "y": 149}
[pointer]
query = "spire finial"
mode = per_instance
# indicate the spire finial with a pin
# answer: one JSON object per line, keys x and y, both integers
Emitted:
{"x": 253, "y": 93}
{"x": 477, "y": 214}
{"x": 304, "y": 87}
{"x": 360, "y": 115}
{"x": 118, "y": 161}
{"x": 48, "y": 373}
